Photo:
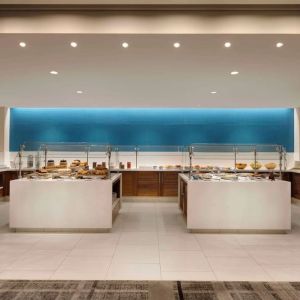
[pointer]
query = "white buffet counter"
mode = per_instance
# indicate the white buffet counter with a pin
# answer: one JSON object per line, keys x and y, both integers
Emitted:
{"x": 51, "y": 204}
{"x": 236, "y": 206}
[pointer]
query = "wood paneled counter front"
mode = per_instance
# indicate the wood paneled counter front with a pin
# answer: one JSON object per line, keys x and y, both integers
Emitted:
{"x": 152, "y": 183}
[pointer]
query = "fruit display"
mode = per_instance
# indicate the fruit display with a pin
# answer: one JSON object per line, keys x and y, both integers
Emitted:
{"x": 241, "y": 166}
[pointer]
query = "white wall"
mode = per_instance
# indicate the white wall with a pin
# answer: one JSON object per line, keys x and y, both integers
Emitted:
{"x": 297, "y": 134}
{"x": 4, "y": 135}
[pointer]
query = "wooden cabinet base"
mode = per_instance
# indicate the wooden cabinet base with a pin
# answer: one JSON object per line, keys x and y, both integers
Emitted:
{"x": 150, "y": 183}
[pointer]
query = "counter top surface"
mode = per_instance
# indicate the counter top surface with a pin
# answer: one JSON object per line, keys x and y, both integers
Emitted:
{"x": 186, "y": 179}
{"x": 113, "y": 178}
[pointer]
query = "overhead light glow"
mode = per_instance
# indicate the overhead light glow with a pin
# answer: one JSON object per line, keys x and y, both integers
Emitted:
{"x": 73, "y": 44}
{"x": 79, "y": 92}
{"x": 234, "y": 72}
{"x": 176, "y": 45}
{"x": 213, "y": 92}
{"x": 125, "y": 45}
{"x": 22, "y": 44}
{"x": 279, "y": 45}
{"x": 53, "y": 72}
{"x": 227, "y": 45}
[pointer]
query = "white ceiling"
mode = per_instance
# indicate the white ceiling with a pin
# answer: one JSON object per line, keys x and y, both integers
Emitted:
{"x": 151, "y": 72}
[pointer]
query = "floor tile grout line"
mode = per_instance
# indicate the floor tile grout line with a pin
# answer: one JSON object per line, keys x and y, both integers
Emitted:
{"x": 112, "y": 257}
{"x": 67, "y": 255}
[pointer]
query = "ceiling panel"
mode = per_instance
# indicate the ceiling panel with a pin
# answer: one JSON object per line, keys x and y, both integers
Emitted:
{"x": 150, "y": 72}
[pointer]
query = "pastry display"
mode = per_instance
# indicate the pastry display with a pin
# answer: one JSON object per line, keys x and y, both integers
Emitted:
{"x": 241, "y": 166}
{"x": 256, "y": 166}
{"x": 83, "y": 164}
{"x": 50, "y": 164}
{"x": 270, "y": 166}
{"x": 63, "y": 163}
{"x": 75, "y": 163}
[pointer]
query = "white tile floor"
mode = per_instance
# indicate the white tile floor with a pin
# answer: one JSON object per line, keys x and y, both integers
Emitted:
{"x": 149, "y": 241}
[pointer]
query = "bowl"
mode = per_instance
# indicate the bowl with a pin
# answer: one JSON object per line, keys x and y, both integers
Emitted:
{"x": 256, "y": 166}
{"x": 270, "y": 166}
{"x": 240, "y": 166}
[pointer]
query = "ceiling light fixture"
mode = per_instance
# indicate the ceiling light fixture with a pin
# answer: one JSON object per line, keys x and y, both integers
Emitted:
{"x": 279, "y": 45}
{"x": 53, "y": 72}
{"x": 125, "y": 45}
{"x": 213, "y": 92}
{"x": 234, "y": 73}
{"x": 22, "y": 44}
{"x": 227, "y": 45}
{"x": 176, "y": 45}
{"x": 79, "y": 92}
{"x": 73, "y": 44}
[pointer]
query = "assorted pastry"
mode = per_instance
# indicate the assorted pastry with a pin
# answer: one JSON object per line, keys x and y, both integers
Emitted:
{"x": 77, "y": 170}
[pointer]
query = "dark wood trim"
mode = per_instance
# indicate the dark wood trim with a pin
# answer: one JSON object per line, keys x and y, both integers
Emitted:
{"x": 150, "y": 7}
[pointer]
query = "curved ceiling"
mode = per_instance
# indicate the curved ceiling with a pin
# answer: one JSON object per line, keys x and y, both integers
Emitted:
{"x": 150, "y": 72}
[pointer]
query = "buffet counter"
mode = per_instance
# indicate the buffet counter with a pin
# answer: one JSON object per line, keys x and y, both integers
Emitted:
{"x": 56, "y": 204}
{"x": 236, "y": 206}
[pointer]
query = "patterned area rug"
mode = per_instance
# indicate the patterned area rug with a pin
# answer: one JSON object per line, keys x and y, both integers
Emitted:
{"x": 236, "y": 290}
{"x": 147, "y": 290}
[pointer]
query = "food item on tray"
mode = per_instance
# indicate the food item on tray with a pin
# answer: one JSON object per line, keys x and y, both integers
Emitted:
{"x": 100, "y": 167}
{"x": 83, "y": 164}
{"x": 229, "y": 177}
{"x": 64, "y": 172}
{"x": 256, "y": 166}
{"x": 244, "y": 174}
{"x": 102, "y": 172}
{"x": 270, "y": 166}
{"x": 63, "y": 163}
{"x": 169, "y": 167}
{"x": 206, "y": 176}
{"x": 75, "y": 163}
{"x": 225, "y": 169}
{"x": 82, "y": 172}
{"x": 50, "y": 164}
{"x": 241, "y": 166}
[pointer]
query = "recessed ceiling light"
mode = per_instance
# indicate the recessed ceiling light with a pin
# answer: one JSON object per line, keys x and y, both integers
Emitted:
{"x": 234, "y": 72}
{"x": 227, "y": 45}
{"x": 22, "y": 44}
{"x": 125, "y": 45}
{"x": 176, "y": 45}
{"x": 213, "y": 92}
{"x": 73, "y": 44}
{"x": 79, "y": 92}
{"x": 279, "y": 45}
{"x": 53, "y": 72}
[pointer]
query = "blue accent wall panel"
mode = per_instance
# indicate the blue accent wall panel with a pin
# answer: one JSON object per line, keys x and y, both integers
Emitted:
{"x": 137, "y": 126}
